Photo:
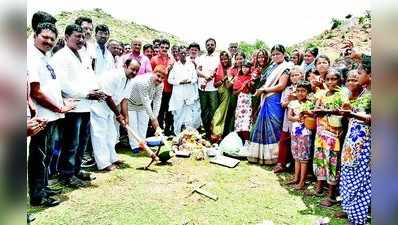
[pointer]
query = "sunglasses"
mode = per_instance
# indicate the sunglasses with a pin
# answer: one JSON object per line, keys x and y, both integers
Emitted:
{"x": 52, "y": 72}
{"x": 162, "y": 47}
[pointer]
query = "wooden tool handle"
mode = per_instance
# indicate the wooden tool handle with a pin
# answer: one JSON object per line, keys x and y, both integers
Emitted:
{"x": 142, "y": 143}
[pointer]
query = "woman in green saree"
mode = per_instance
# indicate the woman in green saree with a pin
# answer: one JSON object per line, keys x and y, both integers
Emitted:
{"x": 221, "y": 81}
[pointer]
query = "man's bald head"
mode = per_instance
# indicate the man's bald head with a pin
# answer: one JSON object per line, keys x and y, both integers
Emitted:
{"x": 131, "y": 68}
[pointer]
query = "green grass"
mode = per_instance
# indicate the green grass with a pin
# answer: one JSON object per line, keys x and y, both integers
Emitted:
{"x": 247, "y": 194}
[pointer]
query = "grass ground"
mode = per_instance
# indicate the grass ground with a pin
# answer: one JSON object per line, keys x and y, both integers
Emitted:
{"x": 247, "y": 194}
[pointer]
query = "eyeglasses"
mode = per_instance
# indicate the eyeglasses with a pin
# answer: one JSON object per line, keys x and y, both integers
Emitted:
{"x": 163, "y": 47}
{"x": 52, "y": 72}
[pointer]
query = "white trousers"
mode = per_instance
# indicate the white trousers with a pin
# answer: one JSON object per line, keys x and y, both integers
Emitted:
{"x": 103, "y": 139}
{"x": 138, "y": 121}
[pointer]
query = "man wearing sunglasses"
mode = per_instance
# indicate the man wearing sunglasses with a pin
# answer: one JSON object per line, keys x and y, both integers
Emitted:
{"x": 46, "y": 94}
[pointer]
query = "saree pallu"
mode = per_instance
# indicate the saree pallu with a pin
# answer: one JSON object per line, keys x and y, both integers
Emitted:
{"x": 218, "y": 122}
{"x": 266, "y": 131}
{"x": 355, "y": 182}
{"x": 326, "y": 151}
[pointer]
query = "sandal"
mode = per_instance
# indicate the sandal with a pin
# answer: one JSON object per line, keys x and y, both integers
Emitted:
{"x": 313, "y": 193}
{"x": 328, "y": 202}
{"x": 341, "y": 215}
{"x": 279, "y": 168}
{"x": 119, "y": 162}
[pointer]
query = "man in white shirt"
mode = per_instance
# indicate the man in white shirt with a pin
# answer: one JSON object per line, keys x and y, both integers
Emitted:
{"x": 184, "y": 101}
{"x": 193, "y": 50}
{"x": 46, "y": 93}
{"x": 104, "y": 60}
{"x": 38, "y": 18}
{"x": 114, "y": 48}
{"x": 117, "y": 84}
{"x": 146, "y": 89}
{"x": 87, "y": 52}
{"x": 77, "y": 81}
{"x": 208, "y": 94}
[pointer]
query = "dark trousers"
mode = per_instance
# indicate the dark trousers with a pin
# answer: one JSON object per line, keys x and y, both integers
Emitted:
{"x": 40, "y": 154}
{"x": 74, "y": 142}
{"x": 165, "y": 117}
{"x": 208, "y": 106}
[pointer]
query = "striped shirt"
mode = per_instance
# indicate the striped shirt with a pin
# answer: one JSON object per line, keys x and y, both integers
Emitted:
{"x": 144, "y": 92}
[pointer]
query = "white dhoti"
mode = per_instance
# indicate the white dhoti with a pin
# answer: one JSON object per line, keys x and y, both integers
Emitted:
{"x": 138, "y": 121}
{"x": 188, "y": 115}
{"x": 103, "y": 138}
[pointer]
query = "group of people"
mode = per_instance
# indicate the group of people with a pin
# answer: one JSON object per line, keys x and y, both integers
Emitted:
{"x": 294, "y": 108}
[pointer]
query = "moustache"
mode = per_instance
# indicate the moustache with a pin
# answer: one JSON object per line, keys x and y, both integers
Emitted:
{"x": 48, "y": 45}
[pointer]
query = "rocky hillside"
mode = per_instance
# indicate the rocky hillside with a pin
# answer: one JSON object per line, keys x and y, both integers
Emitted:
{"x": 121, "y": 30}
{"x": 356, "y": 29}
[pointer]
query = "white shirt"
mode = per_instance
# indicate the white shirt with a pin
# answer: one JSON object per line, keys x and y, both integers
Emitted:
{"x": 88, "y": 53}
{"x": 76, "y": 78}
{"x": 209, "y": 65}
{"x": 114, "y": 83}
{"x": 183, "y": 93}
{"x": 40, "y": 71}
{"x": 144, "y": 92}
{"x": 287, "y": 125}
{"x": 103, "y": 62}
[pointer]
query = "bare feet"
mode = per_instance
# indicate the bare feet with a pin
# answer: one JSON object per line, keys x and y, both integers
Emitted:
{"x": 299, "y": 187}
{"x": 291, "y": 182}
{"x": 279, "y": 168}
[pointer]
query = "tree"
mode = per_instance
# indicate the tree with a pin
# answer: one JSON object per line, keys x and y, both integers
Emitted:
{"x": 249, "y": 48}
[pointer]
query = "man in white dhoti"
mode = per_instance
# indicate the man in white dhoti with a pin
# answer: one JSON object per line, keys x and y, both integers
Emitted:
{"x": 146, "y": 90}
{"x": 117, "y": 85}
{"x": 184, "y": 101}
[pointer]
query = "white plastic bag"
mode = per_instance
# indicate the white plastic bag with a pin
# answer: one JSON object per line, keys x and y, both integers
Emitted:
{"x": 231, "y": 144}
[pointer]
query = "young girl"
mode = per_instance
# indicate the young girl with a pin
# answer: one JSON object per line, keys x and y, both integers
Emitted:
{"x": 243, "y": 111}
{"x": 261, "y": 63}
{"x": 327, "y": 138}
{"x": 284, "y": 154}
{"x": 232, "y": 73}
{"x": 301, "y": 142}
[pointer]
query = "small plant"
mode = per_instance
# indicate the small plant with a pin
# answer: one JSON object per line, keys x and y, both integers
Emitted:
{"x": 336, "y": 23}
{"x": 363, "y": 103}
{"x": 307, "y": 106}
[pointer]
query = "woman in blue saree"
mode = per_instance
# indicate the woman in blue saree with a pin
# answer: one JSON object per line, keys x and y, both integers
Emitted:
{"x": 263, "y": 148}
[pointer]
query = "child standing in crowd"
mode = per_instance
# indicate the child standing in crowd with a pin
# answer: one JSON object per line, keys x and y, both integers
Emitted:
{"x": 284, "y": 154}
{"x": 229, "y": 126}
{"x": 262, "y": 60}
{"x": 327, "y": 138}
{"x": 301, "y": 142}
{"x": 243, "y": 109}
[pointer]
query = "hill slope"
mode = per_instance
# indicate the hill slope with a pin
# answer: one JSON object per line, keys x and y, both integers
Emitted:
{"x": 121, "y": 30}
{"x": 355, "y": 29}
